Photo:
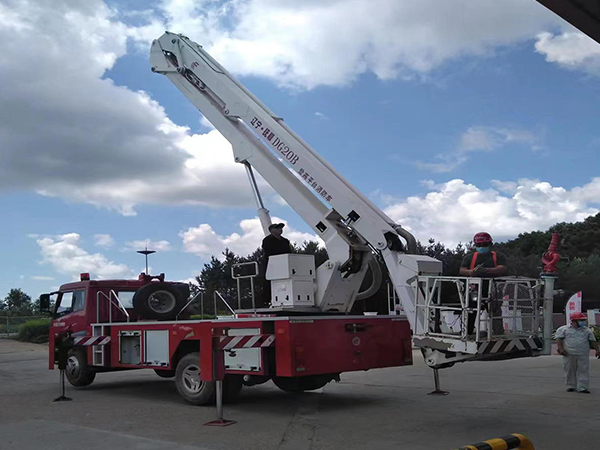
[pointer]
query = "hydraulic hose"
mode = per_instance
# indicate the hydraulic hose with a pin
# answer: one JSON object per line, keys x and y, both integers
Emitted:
{"x": 377, "y": 278}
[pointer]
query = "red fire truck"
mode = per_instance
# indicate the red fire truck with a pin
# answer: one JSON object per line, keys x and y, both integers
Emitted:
{"x": 112, "y": 325}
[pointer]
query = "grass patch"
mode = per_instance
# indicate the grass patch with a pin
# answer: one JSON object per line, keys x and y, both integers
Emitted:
{"x": 35, "y": 331}
{"x": 200, "y": 317}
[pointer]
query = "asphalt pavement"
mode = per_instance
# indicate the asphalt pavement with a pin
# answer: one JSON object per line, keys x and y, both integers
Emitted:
{"x": 378, "y": 409}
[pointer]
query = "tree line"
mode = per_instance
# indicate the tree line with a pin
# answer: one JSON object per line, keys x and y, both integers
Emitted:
{"x": 579, "y": 268}
{"x": 18, "y": 303}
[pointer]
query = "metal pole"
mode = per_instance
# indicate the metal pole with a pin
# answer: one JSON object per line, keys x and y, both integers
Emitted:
{"x": 239, "y": 294}
{"x": 202, "y": 305}
{"x": 215, "y": 302}
{"x": 252, "y": 292}
{"x": 549, "y": 280}
{"x": 62, "y": 397}
{"x": 219, "y": 384}
{"x": 436, "y": 380}
{"x": 263, "y": 213}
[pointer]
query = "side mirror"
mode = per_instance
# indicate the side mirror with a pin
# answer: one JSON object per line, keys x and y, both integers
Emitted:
{"x": 45, "y": 303}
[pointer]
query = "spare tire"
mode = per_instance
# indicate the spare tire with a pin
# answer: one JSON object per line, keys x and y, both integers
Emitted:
{"x": 161, "y": 301}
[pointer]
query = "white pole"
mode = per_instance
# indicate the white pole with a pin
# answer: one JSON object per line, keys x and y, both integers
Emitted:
{"x": 549, "y": 280}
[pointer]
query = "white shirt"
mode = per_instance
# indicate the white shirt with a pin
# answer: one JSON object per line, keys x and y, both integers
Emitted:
{"x": 576, "y": 340}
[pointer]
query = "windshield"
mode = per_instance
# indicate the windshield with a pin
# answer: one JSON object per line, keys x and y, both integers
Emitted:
{"x": 69, "y": 302}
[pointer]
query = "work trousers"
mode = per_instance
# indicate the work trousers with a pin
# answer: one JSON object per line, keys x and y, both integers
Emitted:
{"x": 577, "y": 371}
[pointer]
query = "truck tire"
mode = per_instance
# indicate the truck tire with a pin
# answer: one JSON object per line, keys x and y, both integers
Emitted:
{"x": 189, "y": 385}
{"x": 164, "y": 373}
{"x": 232, "y": 386}
{"x": 78, "y": 372}
{"x": 301, "y": 384}
{"x": 161, "y": 301}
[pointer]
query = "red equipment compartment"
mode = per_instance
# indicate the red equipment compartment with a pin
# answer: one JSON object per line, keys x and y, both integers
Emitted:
{"x": 310, "y": 346}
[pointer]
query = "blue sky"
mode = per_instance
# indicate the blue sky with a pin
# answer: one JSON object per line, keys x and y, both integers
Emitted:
{"x": 451, "y": 130}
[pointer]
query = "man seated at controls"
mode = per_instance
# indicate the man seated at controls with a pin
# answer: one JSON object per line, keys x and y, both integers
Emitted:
{"x": 273, "y": 244}
{"x": 485, "y": 263}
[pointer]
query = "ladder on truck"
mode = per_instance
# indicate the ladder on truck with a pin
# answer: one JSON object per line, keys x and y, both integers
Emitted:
{"x": 356, "y": 233}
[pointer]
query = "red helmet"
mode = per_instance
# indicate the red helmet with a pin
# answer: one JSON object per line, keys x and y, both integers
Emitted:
{"x": 482, "y": 238}
{"x": 578, "y": 316}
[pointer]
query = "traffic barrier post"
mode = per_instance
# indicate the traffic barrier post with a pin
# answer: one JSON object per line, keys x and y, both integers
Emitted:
{"x": 513, "y": 441}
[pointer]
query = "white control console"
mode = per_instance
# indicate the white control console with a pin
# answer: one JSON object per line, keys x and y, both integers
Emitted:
{"x": 292, "y": 279}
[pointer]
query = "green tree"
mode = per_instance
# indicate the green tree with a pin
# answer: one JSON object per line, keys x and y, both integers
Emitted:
{"x": 18, "y": 303}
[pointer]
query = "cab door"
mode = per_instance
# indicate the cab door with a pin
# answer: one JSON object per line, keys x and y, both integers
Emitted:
{"x": 70, "y": 311}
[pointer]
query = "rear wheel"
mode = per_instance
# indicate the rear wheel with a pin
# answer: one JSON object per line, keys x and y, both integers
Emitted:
{"x": 301, "y": 384}
{"x": 189, "y": 384}
{"x": 77, "y": 371}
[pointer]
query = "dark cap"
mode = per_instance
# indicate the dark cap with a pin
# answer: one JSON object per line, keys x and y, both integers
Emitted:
{"x": 276, "y": 225}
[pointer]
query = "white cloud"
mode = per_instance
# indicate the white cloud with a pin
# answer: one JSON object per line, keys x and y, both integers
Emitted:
{"x": 93, "y": 141}
{"x": 571, "y": 50}
{"x": 454, "y": 211}
{"x": 109, "y": 146}
{"x": 65, "y": 254}
{"x": 205, "y": 241}
{"x": 159, "y": 246}
{"x": 41, "y": 278}
{"x": 481, "y": 139}
{"x": 104, "y": 240}
{"x": 332, "y": 42}
{"x": 321, "y": 115}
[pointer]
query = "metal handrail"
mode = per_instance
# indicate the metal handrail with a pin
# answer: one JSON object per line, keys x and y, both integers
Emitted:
{"x": 224, "y": 301}
{"x": 201, "y": 294}
{"x": 110, "y": 303}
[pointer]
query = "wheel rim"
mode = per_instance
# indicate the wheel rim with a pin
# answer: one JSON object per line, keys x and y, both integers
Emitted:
{"x": 191, "y": 379}
{"x": 162, "y": 302}
{"x": 73, "y": 366}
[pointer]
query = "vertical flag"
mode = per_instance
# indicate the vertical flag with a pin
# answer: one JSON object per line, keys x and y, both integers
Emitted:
{"x": 573, "y": 306}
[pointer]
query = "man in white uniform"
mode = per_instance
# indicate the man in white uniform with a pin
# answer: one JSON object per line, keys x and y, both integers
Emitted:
{"x": 574, "y": 343}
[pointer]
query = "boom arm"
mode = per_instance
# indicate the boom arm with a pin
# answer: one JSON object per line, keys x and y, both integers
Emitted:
{"x": 351, "y": 226}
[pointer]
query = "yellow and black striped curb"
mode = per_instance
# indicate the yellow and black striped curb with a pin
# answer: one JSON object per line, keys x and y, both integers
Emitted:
{"x": 513, "y": 441}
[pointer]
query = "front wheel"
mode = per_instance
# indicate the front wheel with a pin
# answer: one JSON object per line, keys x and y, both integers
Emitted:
{"x": 189, "y": 384}
{"x": 77, "y": 370}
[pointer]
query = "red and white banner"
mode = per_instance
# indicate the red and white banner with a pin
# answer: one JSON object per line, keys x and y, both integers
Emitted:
{"x": 573, "y": 306}
{"x": 91, "y": 340}
{"x": 253, "y": 341}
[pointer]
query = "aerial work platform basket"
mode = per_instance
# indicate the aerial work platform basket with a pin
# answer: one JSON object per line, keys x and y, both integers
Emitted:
{"x": 479, "y": 317}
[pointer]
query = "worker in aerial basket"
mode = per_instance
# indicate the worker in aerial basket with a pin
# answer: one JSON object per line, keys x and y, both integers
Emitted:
{"x": 484, "y": 262}
{"x": 273, "y": 244}
{"x": 574, "y": 343}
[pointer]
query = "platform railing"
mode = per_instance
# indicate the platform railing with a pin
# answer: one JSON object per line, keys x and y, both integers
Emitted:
{"x": 479, "y": 309}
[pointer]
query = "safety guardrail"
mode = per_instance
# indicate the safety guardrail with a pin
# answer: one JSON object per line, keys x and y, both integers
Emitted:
{"x": 513, "y": 441}
{"x": 483, "y": 309}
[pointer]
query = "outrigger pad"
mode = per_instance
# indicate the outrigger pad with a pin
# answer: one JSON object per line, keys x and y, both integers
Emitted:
{"x": 219, "y": 423}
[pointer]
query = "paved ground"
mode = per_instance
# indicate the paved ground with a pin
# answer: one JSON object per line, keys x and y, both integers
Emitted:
{"x": 380, "y": 409}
